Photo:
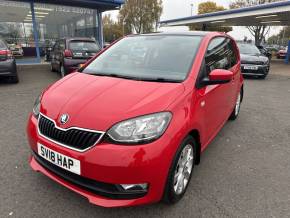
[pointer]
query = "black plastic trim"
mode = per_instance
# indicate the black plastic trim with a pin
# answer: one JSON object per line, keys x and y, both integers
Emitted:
{"x": 99, "y": 188}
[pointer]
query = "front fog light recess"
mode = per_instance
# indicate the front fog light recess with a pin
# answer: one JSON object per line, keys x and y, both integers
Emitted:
{"x": 135, "y": 187}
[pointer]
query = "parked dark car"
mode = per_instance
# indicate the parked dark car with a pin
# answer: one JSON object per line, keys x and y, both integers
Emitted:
{"x": 7, "y": 63}
{"x": 253, "y": 62}
{"x": 265, "y": 51}
{"x": 69, "y": 54}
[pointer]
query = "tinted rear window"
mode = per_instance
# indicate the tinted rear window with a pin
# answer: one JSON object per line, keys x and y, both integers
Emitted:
{"x": 83, "y": 46}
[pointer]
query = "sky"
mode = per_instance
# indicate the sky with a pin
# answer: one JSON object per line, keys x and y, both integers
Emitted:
{"x": 182, "y": 8}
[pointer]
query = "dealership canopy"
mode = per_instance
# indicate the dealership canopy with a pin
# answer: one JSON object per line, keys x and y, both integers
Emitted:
{"x": 272, "y": 14}
{"x": 97, "y": 4}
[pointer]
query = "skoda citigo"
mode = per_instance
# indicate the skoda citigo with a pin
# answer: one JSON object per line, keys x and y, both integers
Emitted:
{"x": 129, "y": 127}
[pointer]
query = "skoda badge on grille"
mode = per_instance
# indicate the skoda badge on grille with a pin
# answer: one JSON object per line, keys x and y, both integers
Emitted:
{"x": 64, "y": 118}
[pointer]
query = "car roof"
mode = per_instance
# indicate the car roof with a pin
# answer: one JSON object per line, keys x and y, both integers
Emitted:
{"x": 180, "y": 33}
{"x": 78, "y": 39}
{"x": 245, "y": 43}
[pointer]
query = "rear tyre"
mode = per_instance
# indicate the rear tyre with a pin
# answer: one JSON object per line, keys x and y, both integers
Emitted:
{"x": 263, "y": 77}
{"x": 52, "y": 68}
{"x": 180, "y": 172}
{"x": 62, "y": 71}
{"x": 237, "y": 107}
{"x": 13, "y": 79}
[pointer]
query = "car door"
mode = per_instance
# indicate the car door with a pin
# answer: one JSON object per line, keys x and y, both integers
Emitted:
{"x": 59, "y": 53}
{"x": 216, "y": 101}
{"x": 54, "y": 54}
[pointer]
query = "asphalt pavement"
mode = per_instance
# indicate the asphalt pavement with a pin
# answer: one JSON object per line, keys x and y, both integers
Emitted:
{"x": 245, "y": 171}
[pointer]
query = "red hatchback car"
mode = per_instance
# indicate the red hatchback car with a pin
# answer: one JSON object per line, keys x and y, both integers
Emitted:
{"x": 128, "y": 128}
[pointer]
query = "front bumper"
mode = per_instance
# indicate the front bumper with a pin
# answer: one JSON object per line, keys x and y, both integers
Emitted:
{"x": 260, "y": 70}
{"x": 8, "y": 68}
{"x": 108, "y": 164}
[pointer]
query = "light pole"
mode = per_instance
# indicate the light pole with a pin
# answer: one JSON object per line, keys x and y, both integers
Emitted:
{"x": 191, "y": 9}
{"x": 123, "y": 23}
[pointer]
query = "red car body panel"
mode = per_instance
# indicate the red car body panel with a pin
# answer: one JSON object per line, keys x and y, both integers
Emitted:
{"x": 98, "y": 103}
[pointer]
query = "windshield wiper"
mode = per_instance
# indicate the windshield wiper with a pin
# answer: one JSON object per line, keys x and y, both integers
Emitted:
{"x": 158, "y": 79}
{"x": 116, "y": 76}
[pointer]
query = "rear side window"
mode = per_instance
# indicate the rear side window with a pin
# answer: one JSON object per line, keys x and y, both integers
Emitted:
{"x": 220, "y": 54}
{"x": 83, "y": 46}
{"x": 2, "y": 45}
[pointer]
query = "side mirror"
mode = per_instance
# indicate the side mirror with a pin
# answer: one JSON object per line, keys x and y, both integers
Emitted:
{"x": 218, "y": 76}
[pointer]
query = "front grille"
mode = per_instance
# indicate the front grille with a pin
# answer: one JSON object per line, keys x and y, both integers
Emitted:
{"x": 74, "y": 138}
{"x": 253, "y": 71}
{"x": 253, "y": 62}
{"x": 100, "y": 188}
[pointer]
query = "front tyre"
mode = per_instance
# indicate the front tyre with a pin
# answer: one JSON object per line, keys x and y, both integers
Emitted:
{"x": 181, "y": 171}
{"x": 52, "y": 69}
{"x": 237, "y": 107}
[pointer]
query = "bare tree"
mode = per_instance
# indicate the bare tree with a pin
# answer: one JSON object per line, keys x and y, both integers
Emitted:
{"x": 141, "y": 15}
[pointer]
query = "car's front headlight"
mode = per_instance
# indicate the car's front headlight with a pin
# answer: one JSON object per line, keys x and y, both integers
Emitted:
{"x": 141, "y": 129}
{"x": 36, "y": 107}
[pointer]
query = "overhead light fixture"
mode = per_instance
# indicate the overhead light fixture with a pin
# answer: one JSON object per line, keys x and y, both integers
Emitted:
{"x": 43, "y": 9}
{"x": 39, "y": 12}
{"x": 273, "y": 21}
{"x": 38, "y": 16}
{"x": 218, "y": 21}
{"x": 272, "y": 15}
{"x": 30, "y": 19}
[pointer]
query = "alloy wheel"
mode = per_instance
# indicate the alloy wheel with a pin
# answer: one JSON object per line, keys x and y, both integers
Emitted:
{"x": 183, "y": 169}
{"x": 238, "y": 105}
{"x": 62, "y": 71}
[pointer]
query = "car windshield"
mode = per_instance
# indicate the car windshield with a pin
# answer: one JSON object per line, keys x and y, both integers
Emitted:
{"x": 83, "y": 46}
{"x": 248, "y": 49}
{"x": 150, "y": 58}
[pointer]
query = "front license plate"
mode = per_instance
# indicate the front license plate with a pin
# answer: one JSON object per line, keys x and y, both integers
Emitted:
{"x": 63, "y": 161}
{"x": 250, "y": 67}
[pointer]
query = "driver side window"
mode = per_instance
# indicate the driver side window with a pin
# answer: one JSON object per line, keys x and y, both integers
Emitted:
{"x": 218, "y": 54}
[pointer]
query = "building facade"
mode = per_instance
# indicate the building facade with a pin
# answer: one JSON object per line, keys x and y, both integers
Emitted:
{"x": 30, "y": 27}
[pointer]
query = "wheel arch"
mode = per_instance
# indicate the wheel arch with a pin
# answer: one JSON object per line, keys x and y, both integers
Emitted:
{"x": 242, "y": 92}
{"x": 196, "y": 135}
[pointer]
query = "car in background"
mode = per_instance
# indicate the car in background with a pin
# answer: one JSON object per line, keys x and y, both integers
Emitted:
{"x": 272, "y": 49}
{"x": 253, "y": 62}
{"x": 265, "y": 51}
{"x": 8, "y": 67}
{"x": 281, "y": 54}
{"x": 106, "y": 44}
{"x": 126, "y": 130}
{"x": 69, "y": 54}
{"x": 47, "y": 49}
{"x": 16, "y": 50}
